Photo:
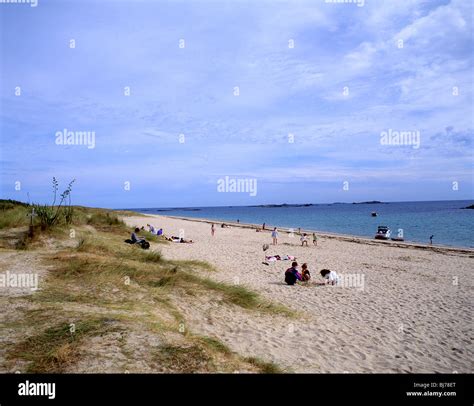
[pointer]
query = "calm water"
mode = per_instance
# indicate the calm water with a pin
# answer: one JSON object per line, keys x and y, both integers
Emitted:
{"x": 449, "y": 224}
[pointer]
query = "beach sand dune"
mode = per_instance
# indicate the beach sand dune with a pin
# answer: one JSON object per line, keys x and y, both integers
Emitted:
{"x": 407, "y": 309}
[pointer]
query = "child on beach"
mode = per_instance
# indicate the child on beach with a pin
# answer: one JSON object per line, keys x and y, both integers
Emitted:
{"x": 275, "y": 236}
{"x": 212, "y": 229}
{"x": 315, "y": 239}
{"x": 304, "y": 240}
{"x": 305, "y": 275}
{"x": 332, "y": 278}
{"x": 292, "y": 274}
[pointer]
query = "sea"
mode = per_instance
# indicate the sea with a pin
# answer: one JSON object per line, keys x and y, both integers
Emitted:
{"x": 447, "y": 221}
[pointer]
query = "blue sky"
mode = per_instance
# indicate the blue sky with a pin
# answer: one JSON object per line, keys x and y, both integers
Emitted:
{"x": 346, "y": 80}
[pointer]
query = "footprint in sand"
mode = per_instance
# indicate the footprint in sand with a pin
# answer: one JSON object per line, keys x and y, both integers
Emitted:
{"x": 361, "y": 355}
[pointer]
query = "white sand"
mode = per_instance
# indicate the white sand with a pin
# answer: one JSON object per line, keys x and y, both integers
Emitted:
{"x": 413, "y": 314}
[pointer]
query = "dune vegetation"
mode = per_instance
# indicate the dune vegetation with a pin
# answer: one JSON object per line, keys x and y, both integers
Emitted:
{"x": 106, "y": 306}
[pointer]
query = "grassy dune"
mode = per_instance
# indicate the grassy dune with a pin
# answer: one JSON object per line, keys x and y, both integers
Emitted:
{"x": 102, "y": 298}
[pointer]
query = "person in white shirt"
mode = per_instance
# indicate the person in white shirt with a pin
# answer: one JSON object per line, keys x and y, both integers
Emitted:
{"x": 304, "y": 240}
{"x": 332, "y": 278}
{"x": 151, "y": 229}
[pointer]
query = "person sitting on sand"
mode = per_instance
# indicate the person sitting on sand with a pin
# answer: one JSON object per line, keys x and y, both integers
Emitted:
{"x": 315, "y": 239}
{"x": 304, "y": 240}
{"x": 160, "y": 232}
{"x": 275, "y": 236}
{"x": 292, "y": 274}
{"x": 136, "y": 239}
{"x": 332, "y": 278}
{"x": 151, "y": 229}
{"x": 305, "y": 275}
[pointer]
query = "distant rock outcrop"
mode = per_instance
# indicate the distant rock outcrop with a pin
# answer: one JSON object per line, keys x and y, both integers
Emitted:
{"x": 371, "y": 202}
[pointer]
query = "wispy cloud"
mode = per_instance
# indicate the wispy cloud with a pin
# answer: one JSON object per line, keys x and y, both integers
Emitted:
{"x": 331, "y": 76}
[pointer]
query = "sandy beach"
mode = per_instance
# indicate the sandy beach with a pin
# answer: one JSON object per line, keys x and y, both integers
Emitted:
{"x": 402, "y": 307}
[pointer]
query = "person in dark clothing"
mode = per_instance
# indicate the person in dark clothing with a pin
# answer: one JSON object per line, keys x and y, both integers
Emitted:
{"x": 292, "y": 275}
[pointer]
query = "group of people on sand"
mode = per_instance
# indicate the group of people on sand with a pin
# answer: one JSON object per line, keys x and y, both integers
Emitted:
{"x": 141, "y": 241}
{"x": 292, "y": 275}
{"x": 138, "y": 240}
{"x": 303, "y": 238}
{"x": 153, "y": 230}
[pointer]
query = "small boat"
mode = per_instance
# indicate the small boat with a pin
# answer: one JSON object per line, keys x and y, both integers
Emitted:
{"x": 397, "y": 239}
{"x": 383, "y": 233}
{"x": 373, "y": 214}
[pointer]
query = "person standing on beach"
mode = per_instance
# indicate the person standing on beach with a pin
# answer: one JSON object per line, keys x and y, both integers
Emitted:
{"x": 275, "y": 236}
{"x": 212, "y": 229}
{"x": 263, "y": 226}
{"x": 315, "y": 239}
{"x": 431, "y": 240}
{"x": 304, "y": 240}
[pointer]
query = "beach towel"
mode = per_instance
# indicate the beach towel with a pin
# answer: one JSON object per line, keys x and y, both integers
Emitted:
{"x": 273, "y": 258}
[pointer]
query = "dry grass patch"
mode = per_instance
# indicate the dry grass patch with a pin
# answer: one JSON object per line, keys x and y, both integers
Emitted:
{"x": 57, "y": 348}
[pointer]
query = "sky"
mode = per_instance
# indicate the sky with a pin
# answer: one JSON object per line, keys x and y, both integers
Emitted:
{"x": 292, "y": 96}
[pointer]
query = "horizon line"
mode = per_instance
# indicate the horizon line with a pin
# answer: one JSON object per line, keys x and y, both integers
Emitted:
{"x": 293, "y": 204}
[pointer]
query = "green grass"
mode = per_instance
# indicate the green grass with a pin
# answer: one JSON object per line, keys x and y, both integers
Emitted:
{"x": 183, "y": 359}
{"x": 12, "y": 217}
{"x": 150, "y": 269}
{"x": 135, "y": 253}
{"x": 159, "y": 239}
{"x": 14, "y": 214}
{"x": 90, "y": 278}
{"x": 55, "y": 348}
{"x": 235, "y": 294}
{"x": 263, "y": 366}
{"x": 215, "y": 344}
{"x": 11, "y": 204}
